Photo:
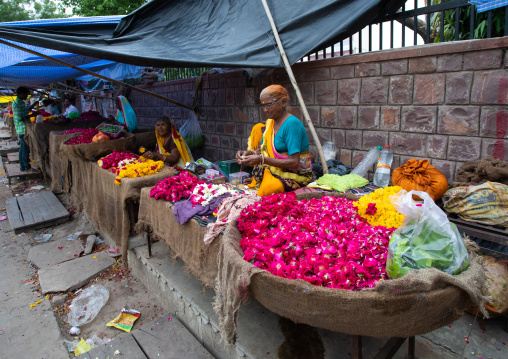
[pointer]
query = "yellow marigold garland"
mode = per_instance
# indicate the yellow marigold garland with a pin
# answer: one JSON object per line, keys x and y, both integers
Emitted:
{"x": 385, "y": 213}
{"x": 145, "y": 168}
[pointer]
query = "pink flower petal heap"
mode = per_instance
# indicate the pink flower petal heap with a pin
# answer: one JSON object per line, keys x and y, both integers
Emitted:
{"x": 111, "y": 161}
{"x": 85, "y": 137}
{"x": 322, "y": 241}
{"x": 175, "y": 188}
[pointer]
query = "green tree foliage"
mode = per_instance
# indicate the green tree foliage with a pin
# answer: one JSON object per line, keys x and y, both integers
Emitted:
{"x": 480, "y": 23}
{"x": 19, "y": 10}
{"x": 103, "y": 7}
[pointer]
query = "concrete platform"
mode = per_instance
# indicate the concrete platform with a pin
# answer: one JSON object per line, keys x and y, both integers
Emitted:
{"x": 75, "y": 273}
{"x": 49, "y": 254}
{"x": 260, "y": 334}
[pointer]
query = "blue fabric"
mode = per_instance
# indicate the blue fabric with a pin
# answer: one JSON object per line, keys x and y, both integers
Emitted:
{"x": 291, "y": 137}
{"x": 127, "y": 115}
{"x": 486, "y": 5}
{"x": 24, "y": 152}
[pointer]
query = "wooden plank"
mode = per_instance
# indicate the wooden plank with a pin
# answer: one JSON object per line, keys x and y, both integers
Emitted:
{"x": 34, "y": 209}
{"x": 57, "y": 207}
{"x": 14, "y": 214}
{"x": 356, "y": 347}
{"x": 390, "y": 348}
{"x": 44, "y": 208}
{"x": 28, "y": 218}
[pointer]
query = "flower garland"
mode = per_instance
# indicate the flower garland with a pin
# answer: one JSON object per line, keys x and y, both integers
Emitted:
{"x": 175, "y": 188}
{"x": 204, "y": 193}
{"x": 116, "y": 160}
{"x": 143, "y": 167}
{"x": 377, "y": 208}
{"x": 322, "y": 241}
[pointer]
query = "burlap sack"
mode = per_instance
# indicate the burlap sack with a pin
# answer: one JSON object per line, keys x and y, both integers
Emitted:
{"x": 37, "y": 138}
{"x": 105, "y": 203}
{"x": 473, "y": 173}
{"x": 185, "y": 241}
{"x": 486, "y": 203}
{"x": 90, "y": 151}
{"x": 145, "y": 139}
{"x": 417, "y": 303}
{"x": 59, "y": 163}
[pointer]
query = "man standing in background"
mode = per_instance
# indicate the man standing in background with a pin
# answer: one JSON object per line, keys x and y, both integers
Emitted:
{"x": 20, "y": 116}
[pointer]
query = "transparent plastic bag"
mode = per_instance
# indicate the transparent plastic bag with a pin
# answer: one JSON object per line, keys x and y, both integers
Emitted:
{"x": 85, "y": 307}
{"x": 191, "y": 132}
{"x": 426, "y": 238}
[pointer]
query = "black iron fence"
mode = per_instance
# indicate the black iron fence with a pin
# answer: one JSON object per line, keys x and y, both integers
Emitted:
{"x": 421, "y": 22}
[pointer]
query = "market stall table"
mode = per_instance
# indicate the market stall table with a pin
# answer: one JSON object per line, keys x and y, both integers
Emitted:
{"x": 417, "y": 303}
{"x": 37, "y": 138}
{"x": 110, "y": 207}
{"x": 157, "y": 221}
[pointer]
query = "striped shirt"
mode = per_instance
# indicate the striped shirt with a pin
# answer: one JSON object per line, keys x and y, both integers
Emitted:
{"x": 19, "y": 111}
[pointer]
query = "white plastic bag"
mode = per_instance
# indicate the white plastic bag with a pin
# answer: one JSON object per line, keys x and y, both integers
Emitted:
{"x": 191, "y": 132}
{"x": 426, "y": 238}
{"x": 85, "y": 307}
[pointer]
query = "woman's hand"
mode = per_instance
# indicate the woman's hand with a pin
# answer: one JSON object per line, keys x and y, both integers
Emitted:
{"x": 251, "y": 160}
{"x": 149, "y": 154}
{"x": 241, "y": 154}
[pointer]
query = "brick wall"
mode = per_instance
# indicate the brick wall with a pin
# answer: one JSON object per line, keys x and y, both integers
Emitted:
{"x": 445, "y": 102}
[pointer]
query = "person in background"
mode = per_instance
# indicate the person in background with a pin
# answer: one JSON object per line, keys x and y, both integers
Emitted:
{"x": 20, "y": 116}
{"x": 279, "y": 150}
{"x": 50, "y": 107}
{"x": 125, "y": 114}
{"x": 170, "y": 147}
{"x": 69, "y": 107}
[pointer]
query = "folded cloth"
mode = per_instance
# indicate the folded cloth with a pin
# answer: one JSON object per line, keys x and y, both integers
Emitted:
{"x": 185, "y": 210}
{"x": 228, "y": 210}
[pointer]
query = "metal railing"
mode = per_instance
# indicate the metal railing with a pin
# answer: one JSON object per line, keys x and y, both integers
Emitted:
{"x": 175, "y": 73}
{"x": 418, "y": 23}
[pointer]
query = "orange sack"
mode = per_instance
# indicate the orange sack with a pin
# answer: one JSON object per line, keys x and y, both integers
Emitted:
{"x": 421, "y": 176}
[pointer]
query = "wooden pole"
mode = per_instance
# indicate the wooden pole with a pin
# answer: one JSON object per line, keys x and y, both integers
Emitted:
{"x": 295, "y": 85}
{"x": 95, "y": 74}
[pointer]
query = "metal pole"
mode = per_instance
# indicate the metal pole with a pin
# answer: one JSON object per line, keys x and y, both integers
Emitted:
{"x": 94, "y": 74}
{"x": 297, "y": 89}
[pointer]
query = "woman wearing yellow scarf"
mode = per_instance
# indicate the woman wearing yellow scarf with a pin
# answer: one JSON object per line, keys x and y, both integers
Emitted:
{"x": 170, "y": 148}
{"x": 279, "y": 149}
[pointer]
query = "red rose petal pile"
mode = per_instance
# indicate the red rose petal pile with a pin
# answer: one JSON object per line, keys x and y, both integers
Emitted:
{"x": 175, "y": 188}
{"x": 72, "y": 130}
{"x": 88, "y": 116}
{"x": 322, "y": 241}
{"x": 85, "y": 137}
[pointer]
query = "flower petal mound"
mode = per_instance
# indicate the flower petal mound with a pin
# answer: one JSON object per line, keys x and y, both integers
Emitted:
{"x": 322, "y": 241}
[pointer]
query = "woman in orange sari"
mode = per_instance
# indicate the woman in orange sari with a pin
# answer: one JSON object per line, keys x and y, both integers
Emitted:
{"x": 170, "y": 147}
{"x": 279, "y": 149}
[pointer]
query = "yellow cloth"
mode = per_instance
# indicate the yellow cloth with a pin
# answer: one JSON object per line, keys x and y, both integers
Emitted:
{"x": 183, "y": 149}
{"x": 256, "y": 135}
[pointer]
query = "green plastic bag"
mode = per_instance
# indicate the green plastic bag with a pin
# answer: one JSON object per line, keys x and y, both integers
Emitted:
{"x": 426, "y": 239}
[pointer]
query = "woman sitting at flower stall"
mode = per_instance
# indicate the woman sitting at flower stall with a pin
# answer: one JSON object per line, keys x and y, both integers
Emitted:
{"x": 170, "y": 147}
{"x": 280, "y": 154}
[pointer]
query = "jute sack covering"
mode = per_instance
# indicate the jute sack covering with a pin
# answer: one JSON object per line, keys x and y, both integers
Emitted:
{"x": 420, "y": 175}
{"x": 89, "y": 151}
{"x": 37, "y": 137}
{"x": 185, "y": 241}
{"x": 417, "y": 303}
{"x": 473, "y": 173}
{"x": 105, "y": 202}
{"x": 59, "y": 163}
{"x": 486, "y": 203}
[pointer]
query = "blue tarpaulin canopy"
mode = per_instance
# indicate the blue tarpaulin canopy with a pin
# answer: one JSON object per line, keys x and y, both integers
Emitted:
{"x": 21, "y": 67}
{"x": 486, "y": 5}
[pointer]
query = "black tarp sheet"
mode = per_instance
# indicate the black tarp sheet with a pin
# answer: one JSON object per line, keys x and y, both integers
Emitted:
{"x": 222, "y": 33}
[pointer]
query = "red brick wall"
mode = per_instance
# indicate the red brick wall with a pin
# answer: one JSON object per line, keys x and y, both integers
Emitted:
{"x": 444, "y": 102}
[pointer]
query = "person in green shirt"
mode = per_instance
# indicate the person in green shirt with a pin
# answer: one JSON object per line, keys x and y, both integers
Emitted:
{"x": 20, "y": 116}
